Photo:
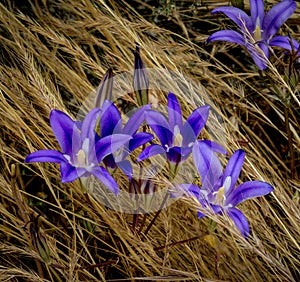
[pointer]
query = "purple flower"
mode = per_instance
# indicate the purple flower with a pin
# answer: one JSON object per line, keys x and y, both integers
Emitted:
{"x": 287, "y": 43}
{"x": 81, "y": 150}
{"x": 176, "y": 138}
{"x": 217, "y": 193}
{"x": 257, "y": 31}
{"x": 111, "y": 123}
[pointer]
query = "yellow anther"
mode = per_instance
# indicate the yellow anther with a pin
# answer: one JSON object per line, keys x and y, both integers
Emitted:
{"x": 220, "y": 196}
{"x": 178, "y": 137}
{"x": 257, "y": 34}
{"x": 81, "y": 158}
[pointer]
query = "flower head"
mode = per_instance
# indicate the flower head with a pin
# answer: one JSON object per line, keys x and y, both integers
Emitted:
{"x": 218, "y": 192}
{"x": 111, "y": 123}
{"x": 176, "y": 138}
{"x": 257, "y": 30}
{"x": 105, "y": 89}
{"x": 81, "y": 149}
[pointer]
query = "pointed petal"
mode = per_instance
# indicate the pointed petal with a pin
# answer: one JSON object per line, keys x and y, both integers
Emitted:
{"x": 217, "y": 148}
{"x": 102, "y": 174}
{"x": 233, "y": 169}
{"x": 257, "y": 11}
{"x": 110, "y": 144}
{"x": 140, "y": 79}
{"x": 45, "y": 156}
{"x": 174, "y": 112}
{"x": 240, "y": 221}
{"x": 231, "y": 36}
{"x": 285, "y": 42}
{"x": 135, "y": 121}
{"x": 69, "y": 173}
{"x": 248, "y": 190}
{"x": 259, "y": 53}
{"x": 110, "y": 121}
{"x": 105, "y": 89}
{"x": 190, "y": 189}
{"x": 200, "y": 214}
{"x": 236, "y": 15}
{"x": 160, "y": 126}
{"x": 89, "y": 125}
{"x": 126, "y": 167}
{"x": 208, "y": 165}
{"x": 276, "y": 17}
{"x": 150, "y": 151}
{"x": 139, "y": 139}
{"x": 193, "y": 125}
{"x": 62, "y": 126}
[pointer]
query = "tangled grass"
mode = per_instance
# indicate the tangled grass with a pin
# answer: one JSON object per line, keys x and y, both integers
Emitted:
{"x": 53, "y": 55}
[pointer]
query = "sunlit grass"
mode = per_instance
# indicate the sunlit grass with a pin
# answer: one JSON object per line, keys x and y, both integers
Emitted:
{"x": 55, "y": 57}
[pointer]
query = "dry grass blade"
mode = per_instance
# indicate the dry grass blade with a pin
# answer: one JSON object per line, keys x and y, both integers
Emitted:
{"x": 53, "y": 54}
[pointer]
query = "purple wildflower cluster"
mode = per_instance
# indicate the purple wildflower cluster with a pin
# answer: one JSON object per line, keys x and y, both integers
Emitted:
{"x": 258, "y": 31}
{"x": 101, "y": 143}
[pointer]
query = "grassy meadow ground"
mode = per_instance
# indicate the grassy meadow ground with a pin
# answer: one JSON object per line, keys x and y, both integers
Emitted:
{"x": 53, "y": 54}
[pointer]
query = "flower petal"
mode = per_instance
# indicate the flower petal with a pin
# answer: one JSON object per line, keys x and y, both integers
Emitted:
{"x": 248, "y": 190}
{"x": 89, "y": 125}
{"x": 235, "y": 14}
{"x": 45, "y": 156}
{"x": 140, "y": 78}
{"x": 259, "y": 53}
{"x": 217, "y": 148}
{"x": 105, "y": 89}
{"x": 63, "y": 127}
{"x": 160, "y": 126}
{"x": 257, "y": 11}
{"x": 285, "y": 42}
{"x": 102, "y": 174}
{"x": 126, "y": 167}
{"x": 110, "y": 121}
{"x": 208, "y": 166}
{"x": 239, "y": 220}
{"x": 276, "y": 17}
{"x": 174, "y": 112}
{"x": 231, "y": 36}
{"x": 69, "y": 173}
{"x": 150, "y": 151}
{"x": 193, "y": 125}
{"x": 190, "y": 190}
{"x": 110, "y": 144}
{"x": 233, "y": 169}
{"x": 135, "y": 121}
{"x": 139, "y": 139}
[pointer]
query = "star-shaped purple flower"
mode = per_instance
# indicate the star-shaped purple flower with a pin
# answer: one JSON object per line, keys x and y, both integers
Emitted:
{"x": 111, "y": 123}
{"x": 81, "y": 149}
{"x": 257, "y": 30}
{"x": 217, "y": 193}
{"x": 176, "y": 138}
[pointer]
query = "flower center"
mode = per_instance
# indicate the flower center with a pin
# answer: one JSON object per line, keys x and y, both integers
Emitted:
{"x": 81, "y": 158}
{"x": 178, "y": 137}
{"x": 257, "y": 31}
{"x": 220, "y": 195}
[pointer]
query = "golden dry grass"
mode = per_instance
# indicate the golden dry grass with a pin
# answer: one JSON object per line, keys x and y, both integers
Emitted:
{"x": 54, "y": 58}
